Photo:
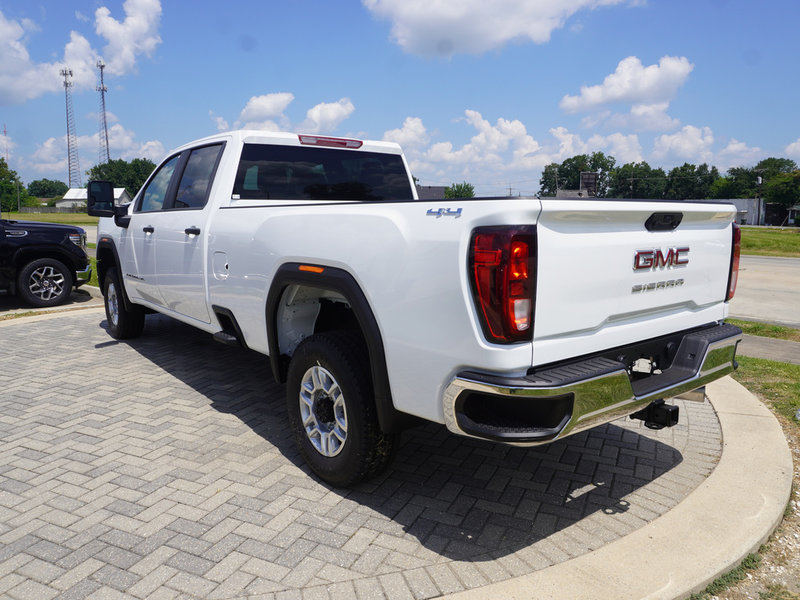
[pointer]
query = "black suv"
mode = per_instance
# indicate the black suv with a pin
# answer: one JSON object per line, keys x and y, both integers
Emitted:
{"x": 41, "y": 262}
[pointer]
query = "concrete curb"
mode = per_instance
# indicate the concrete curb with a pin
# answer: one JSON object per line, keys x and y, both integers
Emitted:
{"x": 730, "y": 515}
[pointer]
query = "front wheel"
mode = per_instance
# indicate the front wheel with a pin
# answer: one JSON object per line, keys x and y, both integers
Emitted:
{"x": 122, "y": 323}
{"x": 332, "y": 410}
{"x": 45, "y": 282}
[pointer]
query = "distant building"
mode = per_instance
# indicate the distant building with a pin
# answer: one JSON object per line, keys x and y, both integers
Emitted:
{"x": 76, "y": 198}
{"x": 431, "y": 192}
{"x": 572, "y": 195}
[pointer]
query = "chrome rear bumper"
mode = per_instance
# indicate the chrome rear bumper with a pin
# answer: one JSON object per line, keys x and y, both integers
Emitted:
{"x": 553, "y": 402}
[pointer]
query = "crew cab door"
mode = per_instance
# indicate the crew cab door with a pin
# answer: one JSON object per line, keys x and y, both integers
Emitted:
{"x": 138, "y": 242}
{"x": 180, "y": 250}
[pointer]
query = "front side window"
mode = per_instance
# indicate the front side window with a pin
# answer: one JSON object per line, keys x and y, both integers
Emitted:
{"x": 156, "y": 191}
{"x": 197, "y": 177}
{"x": 304, "y": 173}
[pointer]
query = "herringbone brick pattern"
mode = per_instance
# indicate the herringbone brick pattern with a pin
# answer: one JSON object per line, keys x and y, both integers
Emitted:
{"x": 164, "y": 468}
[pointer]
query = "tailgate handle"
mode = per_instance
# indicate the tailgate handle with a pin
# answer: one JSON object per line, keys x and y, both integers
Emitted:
{"x": 663, "y": 221}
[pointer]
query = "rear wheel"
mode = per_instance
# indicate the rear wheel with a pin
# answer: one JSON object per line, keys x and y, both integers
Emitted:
{"x": 45, "y": 282}
{"x": 122, "y": 323}
{"x": 332, "y": 409}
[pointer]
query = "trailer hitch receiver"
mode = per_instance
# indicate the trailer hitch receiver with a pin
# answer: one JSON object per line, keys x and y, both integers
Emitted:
{"x": 658, "y": 415}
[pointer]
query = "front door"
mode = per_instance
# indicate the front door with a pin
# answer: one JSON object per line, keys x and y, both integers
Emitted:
{"x": 180, "y": 252}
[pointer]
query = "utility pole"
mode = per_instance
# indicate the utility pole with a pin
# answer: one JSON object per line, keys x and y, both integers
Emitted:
{"x": 104, "y": 156}
{"x": 72, "y": 139}
{"x": 5, "y": 135}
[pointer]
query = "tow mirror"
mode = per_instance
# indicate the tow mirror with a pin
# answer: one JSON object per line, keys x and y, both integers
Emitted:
{"x": 100, "y": 203}
{"x": 100, "y": 199}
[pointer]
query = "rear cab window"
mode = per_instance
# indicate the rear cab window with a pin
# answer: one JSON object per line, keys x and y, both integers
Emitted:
{"x": 305, "y": 173}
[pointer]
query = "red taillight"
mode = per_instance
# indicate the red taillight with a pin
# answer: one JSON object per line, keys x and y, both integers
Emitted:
{"x": 733, "y": 276}
{"x": 502, "y": 276}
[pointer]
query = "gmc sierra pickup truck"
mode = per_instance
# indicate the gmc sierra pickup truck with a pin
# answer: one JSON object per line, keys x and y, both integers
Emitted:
{"x": 42, "y": 262}
{"x": 517, "y": 320}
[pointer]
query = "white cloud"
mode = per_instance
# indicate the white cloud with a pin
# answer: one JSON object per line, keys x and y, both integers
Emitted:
{"x": 136, "y": 35}
{"x": 50, "y": 157}
{"x": 442, "y": 28}
{"x": 488, "y": 145}
{"x": 624, "y": 148}
{"x": 642, "y": 117}
{"x": 326, "y": 116}
{"x": 633, "y": 83}
{"x": 266, "y": 113}
{"x": 793, "y": 149}
{"x": 690, "y": 143}
{"x": 737, "y": 154}
{"x": 411, "y": 135}
{"x": 222, "y": 124}
{"x": 261, "y": 112}
{"x": 22, "y": 79}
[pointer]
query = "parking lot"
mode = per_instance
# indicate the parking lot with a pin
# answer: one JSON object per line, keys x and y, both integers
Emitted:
{"x": 163, "y": 467}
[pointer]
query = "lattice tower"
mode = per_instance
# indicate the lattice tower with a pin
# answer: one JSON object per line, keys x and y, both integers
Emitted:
{"x": 72, "y": 138}
{"x": 104, "y": 155}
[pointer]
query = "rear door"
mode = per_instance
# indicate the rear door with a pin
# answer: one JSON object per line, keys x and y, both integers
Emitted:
{"x": 611, "y": 273}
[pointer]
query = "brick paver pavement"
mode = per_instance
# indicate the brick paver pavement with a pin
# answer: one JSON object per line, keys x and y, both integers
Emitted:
{"x": 164, "y": 468}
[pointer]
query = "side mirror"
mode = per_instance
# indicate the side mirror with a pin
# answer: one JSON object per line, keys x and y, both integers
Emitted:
{"x": 100, "y": 203}
{"x": 100, "y": 199}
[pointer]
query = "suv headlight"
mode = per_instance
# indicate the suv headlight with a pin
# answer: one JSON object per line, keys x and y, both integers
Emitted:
{"x": 79, "y": 239}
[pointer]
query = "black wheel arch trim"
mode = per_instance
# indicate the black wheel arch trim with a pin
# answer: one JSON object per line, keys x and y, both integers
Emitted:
{"x": 342, "y": 282}
{"x": 103, "y": 246}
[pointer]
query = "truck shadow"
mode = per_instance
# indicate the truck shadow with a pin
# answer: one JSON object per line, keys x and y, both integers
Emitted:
{"x": 462, "y": 499}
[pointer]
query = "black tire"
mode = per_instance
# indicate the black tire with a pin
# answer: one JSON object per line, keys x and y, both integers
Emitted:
{"x": 329, "y": 385}
{"x": 123, "y": 324}
{"x": 45, "y": 282}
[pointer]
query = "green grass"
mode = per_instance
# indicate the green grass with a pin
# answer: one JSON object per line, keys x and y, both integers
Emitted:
{"x": 776, "y": 383}
{"x": 762, "y": 241}
{"x": 93, "y": 280}
{"x": 766, "y": 330}
{"x": 64, "y": 218}
{"x": 723, "y": 582}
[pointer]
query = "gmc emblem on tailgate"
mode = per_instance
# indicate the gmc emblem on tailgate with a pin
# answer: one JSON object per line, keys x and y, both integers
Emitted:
{"x": 657, "y": 258}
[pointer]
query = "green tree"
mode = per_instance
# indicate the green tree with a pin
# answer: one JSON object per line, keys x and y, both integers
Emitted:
{"x": 771, "y": 167}
{"x": 690, "y": 182}
{"x": 47, "y": 188}
{"x": 460, "y": 190}
{"x": 121, "y": 173}
{"x": 569, "y": 173}
{"x": 12, "y": 188}
{"x": 637, "y": 180}
{"x": 784, "y": 189}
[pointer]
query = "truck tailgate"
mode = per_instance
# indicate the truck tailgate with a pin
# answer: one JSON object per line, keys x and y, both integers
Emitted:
{"x": 604, "y": 280}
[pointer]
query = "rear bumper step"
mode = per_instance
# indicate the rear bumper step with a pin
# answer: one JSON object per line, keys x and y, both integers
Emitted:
{"x": 549, "y": 403}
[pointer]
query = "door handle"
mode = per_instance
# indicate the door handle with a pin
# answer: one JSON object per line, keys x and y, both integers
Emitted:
{"x": 148, "y": 229}
{"x": 192, "y": 231}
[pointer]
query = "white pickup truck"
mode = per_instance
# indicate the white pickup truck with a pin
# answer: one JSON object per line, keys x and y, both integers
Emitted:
{"x": 517, "y": 320}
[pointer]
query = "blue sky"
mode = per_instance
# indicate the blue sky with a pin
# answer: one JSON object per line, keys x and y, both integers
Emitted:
{"x": 484, "y": 91}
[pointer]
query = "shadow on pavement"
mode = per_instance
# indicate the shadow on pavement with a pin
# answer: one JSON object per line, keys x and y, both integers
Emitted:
{"x": 462, "y": 499}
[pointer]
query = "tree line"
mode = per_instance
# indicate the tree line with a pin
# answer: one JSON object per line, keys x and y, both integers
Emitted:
{"x": 774, "y": 179}
{"x": 129, "y": 175}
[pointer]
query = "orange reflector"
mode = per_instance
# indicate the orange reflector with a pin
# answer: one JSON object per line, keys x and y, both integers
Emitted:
{"x": 311, "y": 268}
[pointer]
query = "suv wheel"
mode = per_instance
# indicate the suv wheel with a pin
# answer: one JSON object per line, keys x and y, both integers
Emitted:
{"x": 45, "y": 282}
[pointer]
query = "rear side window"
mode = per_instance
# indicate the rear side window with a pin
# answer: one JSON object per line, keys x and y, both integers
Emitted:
{"x": 303, "y": 173}
{"x": 197, "y": 176}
